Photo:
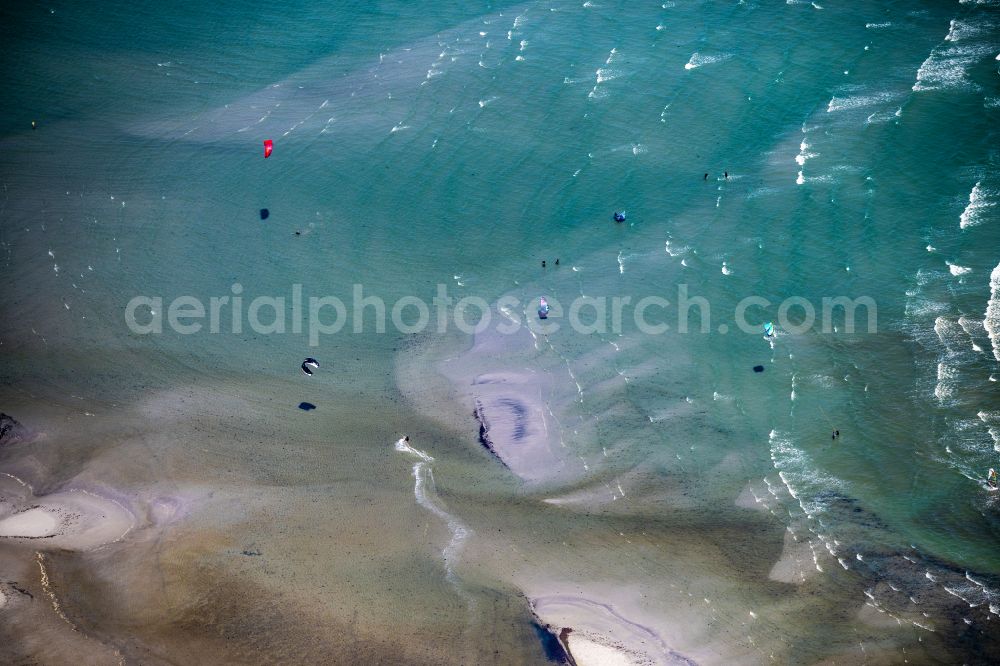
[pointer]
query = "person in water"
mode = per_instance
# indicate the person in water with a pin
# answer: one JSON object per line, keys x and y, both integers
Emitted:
{"x": 557, "y": 261}
{"x": 543, "y": 263}
{"x": 706, "y": 177}
{"x": 991, "y": 478}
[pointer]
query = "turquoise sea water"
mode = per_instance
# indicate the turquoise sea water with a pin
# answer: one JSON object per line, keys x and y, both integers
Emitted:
{"x": 461, "y": 144}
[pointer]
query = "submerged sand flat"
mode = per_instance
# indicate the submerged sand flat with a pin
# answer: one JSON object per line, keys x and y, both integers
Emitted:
{"x": 625, "y": 483}
{"x": 515, "y": 405}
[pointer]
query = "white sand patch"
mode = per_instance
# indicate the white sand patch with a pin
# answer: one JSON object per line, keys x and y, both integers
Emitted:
{"x": 589, "y": 653}
{"x": 37, "y": 522}
{"x": 599, "y": 634}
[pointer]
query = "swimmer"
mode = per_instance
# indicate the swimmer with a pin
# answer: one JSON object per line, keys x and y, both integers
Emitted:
{"x": 706, "y": 177}
{"x": 543, "y": 263}
{"x": 557, "y": 261}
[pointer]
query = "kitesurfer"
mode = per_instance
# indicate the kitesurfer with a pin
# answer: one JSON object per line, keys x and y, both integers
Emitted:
{"x": 543, "y": 308}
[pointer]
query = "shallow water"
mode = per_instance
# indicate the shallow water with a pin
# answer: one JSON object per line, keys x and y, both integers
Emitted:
{"x": 461, "y": 146}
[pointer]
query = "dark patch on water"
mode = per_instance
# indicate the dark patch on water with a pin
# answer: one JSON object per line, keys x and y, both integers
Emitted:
{"x": 520, "y": 416}
{"x": 306, "y": 406}
{"x": 553, "y": 649}
{"x": 12, "y": 432}
{"x": 898, "y": 578}
{"x": 484, "y": 431}
{"x": 19, "y": 589}
{"x": 758, "y": 368}
{"x": 264, "y": 213}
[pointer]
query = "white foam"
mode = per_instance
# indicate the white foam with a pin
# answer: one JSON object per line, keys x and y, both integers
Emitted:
{"x": 804, "y": 153}
{"x": 959, "y": 30}
{"x": 945, "y": 387}
{"x": 978, "y": 202}
{"x": 726, "y": 270}
{"x": 404, "y": 447}
{"x": 699, "y": 60}
{"x": 675, "y": 251}
{"x": 597, "y": 93}
{"x": 957, "y": 270}
{"x": 875, "y": 26}
{"x": 991, "y": 320}
{"x": 858, "y": 101}
{"x": 947, "y": 331}
{"x": 946, "y": 67}
{"x": 423, "y": 485}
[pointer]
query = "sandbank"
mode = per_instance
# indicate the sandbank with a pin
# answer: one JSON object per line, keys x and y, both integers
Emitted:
{"x": 595, "y": 633}
{"x": 33, "y": 523}
{"x": 513, "y": 397}
{"x": 73, "y": 519}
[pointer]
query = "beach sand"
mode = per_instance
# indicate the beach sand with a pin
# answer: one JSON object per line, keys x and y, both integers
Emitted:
{"x": 596, "y": 634}
{"x": 33, "y": 523}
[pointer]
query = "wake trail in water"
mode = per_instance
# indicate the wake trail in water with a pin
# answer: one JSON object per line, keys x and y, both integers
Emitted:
{"x": 425, "y": 493}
